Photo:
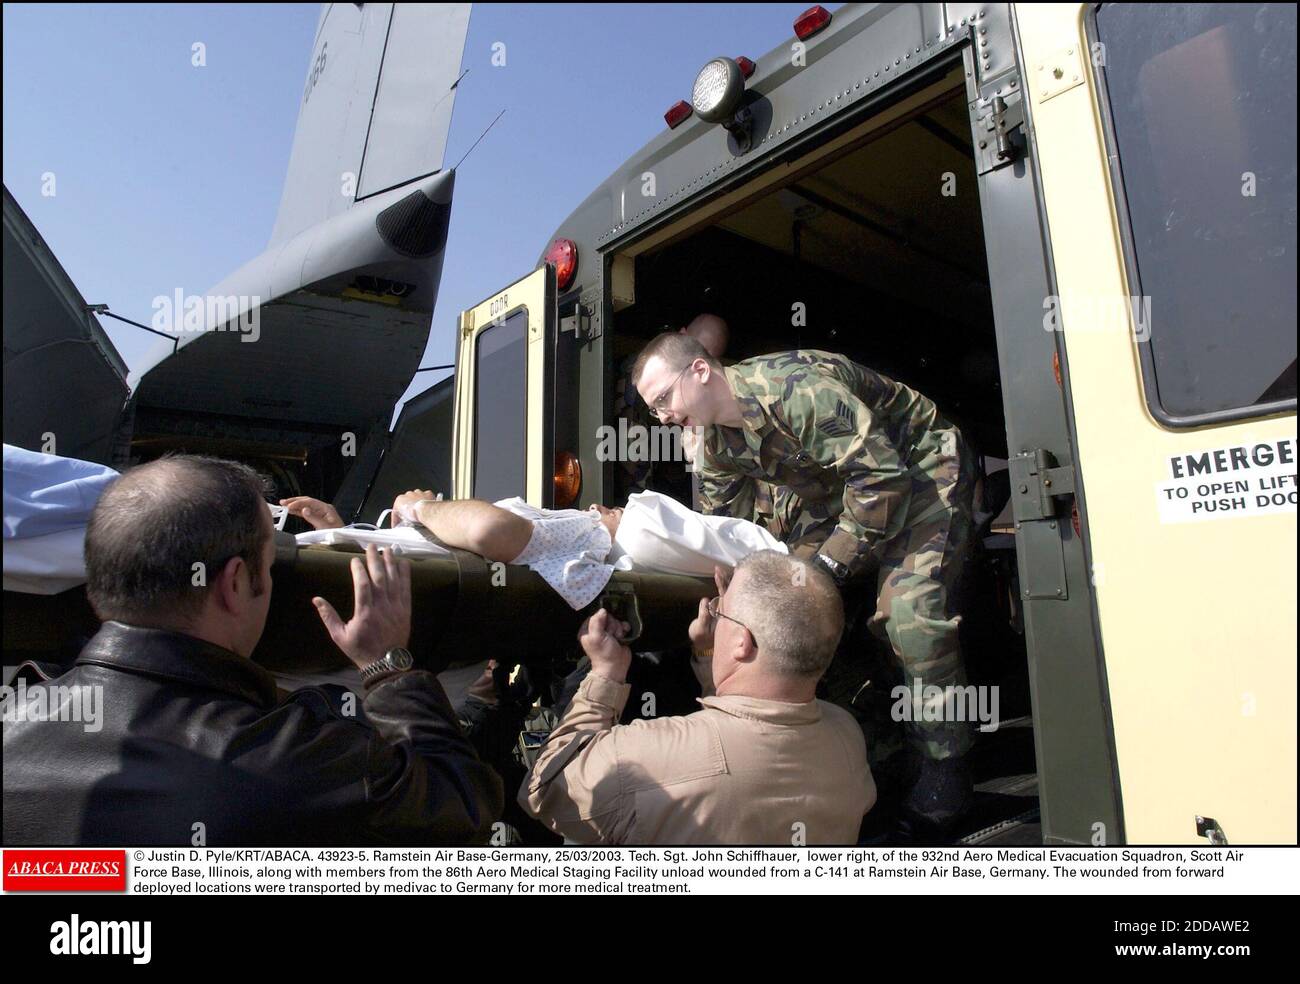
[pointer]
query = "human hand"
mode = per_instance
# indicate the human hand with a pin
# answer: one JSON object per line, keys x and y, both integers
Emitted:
{"x": 381, "y": 613}
{"x": 601, "y": 639}
{"x": 700, "y": 631}
{"x": 484, "y": 688}
{"x": 321, "y": 515}
{"x": 722, "y": 578}
{"x": 690, "y": 443}
{"x": 404, "y": 504}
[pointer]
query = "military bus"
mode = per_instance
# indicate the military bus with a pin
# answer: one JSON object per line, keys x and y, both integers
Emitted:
{"x": 1072, "y": 226}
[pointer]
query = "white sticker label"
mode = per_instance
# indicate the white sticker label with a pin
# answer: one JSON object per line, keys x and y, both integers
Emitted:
{"x": 1257, "y": 479}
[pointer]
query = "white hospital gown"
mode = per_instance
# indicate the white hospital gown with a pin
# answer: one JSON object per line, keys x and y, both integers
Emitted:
{"x": 568, "y": 549}
{"x": 660, "y": 534}
{"x": 572, "y": 551}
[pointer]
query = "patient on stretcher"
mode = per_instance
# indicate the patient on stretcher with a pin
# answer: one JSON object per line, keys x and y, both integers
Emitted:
{"x": 576, "y": 551}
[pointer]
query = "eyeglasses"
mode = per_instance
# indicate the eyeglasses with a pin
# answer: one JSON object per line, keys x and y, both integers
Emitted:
{"x": 661, "y": 404}
{"x": 712, "y": 606}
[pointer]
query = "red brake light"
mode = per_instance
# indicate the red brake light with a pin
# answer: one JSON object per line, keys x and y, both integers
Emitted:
{"x": 677, "y": 114}
{"x": 745, "y": 65}
{"x": 563, "y": 255}
{"x": 811, "y": 21}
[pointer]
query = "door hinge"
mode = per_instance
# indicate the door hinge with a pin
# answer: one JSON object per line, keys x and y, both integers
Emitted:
{"x": 1036, "y": 484}
{"x": 579, "y": 321}
{"x": 1209, "y": 828}
{"x": 995, "y": 120}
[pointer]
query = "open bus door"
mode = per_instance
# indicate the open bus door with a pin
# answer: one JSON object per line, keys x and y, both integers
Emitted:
{"x": 501, "y": 439}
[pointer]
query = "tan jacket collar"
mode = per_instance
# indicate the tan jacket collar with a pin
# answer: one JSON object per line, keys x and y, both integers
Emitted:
{"x": 761, "y": 709}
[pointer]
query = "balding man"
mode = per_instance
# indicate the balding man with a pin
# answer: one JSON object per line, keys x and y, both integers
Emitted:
{"x": 711, "y": 331}
{"x": 189, "y": 742}
{"x": 763, "y": 761}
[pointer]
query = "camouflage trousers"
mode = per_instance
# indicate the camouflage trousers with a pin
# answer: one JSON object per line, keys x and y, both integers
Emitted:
{"x": 914, "y": 615}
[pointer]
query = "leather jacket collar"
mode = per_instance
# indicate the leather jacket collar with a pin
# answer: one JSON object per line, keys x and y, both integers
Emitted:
{"x": 180, "y": 658}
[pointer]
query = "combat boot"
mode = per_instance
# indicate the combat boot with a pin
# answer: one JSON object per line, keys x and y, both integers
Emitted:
{"x": 933, "y": 808}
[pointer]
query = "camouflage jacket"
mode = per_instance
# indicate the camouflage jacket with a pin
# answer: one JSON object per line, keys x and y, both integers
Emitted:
{"x": 842, "y": 438}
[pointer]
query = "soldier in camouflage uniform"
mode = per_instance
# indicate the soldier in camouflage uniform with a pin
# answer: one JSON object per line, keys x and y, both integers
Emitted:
{"x": 871, "y": 475}
{"x": 638, "y": 476}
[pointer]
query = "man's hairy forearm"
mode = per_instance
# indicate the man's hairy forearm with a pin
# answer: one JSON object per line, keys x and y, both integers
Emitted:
{"x": 469, "y": 524}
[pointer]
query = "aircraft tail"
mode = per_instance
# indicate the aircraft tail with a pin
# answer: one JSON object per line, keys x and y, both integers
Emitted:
{"x": 376, "y": 106}
{"x": 322, "y": 332}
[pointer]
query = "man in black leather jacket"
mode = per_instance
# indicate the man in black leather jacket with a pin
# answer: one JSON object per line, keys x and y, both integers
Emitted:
{"x": 188, "y": 742}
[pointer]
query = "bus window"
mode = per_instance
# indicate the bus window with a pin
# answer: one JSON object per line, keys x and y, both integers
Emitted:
{"x": 1201, "y": 99}
{"x": 500, "y": 412}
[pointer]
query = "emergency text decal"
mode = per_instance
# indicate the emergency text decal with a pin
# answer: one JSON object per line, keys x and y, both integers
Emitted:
{"x": 1249, "y": 479}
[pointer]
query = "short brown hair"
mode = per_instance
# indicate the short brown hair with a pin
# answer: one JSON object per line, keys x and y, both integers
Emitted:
{"x": 159, "y": 519}
{"x": 676, "y": 349}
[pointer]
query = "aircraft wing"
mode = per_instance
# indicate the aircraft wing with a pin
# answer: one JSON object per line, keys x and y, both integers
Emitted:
{"x": 296, "y": 360}
{"x": 64, "y": 383}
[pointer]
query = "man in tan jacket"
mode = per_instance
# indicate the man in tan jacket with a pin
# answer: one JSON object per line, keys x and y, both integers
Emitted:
{"x": 762, "y": 762}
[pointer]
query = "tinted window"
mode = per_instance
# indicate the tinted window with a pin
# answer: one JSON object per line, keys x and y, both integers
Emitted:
{"x": 1203, "y": 106}
{"x": 501, "y": 384}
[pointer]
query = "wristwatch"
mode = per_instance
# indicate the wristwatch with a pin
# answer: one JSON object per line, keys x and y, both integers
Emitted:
{"x": 391, "y": 662}
{"x": 839, "y": 572}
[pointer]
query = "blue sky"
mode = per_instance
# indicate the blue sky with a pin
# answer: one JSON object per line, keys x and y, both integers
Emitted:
{"x": 169, "y": 176}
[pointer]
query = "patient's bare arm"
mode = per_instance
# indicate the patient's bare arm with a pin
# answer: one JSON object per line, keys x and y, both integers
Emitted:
{"x": 469, "y": 524}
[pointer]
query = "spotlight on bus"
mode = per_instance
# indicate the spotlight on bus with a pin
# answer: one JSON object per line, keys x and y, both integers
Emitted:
{"x": 717, "y": 95}
{"x": 718, "y": 90}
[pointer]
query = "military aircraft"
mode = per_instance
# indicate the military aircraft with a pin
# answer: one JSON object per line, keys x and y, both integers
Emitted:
{"x": 294, "y": 362}
{"x": 350, "y": 275}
